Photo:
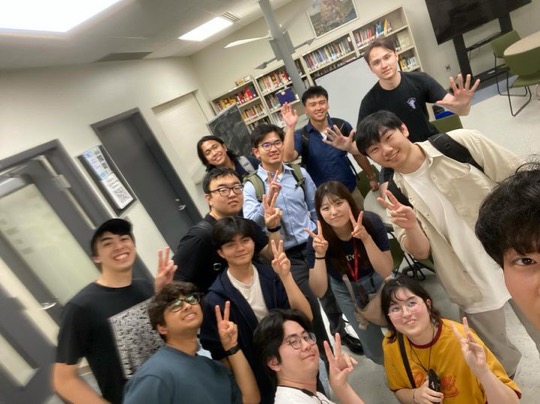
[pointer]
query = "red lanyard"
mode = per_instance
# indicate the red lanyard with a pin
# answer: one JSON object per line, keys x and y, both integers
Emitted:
{"x": 354, "y": 271}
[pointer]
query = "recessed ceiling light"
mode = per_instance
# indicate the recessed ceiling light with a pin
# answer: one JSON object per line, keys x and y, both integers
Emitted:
{"x": 207, "y": 29}
{"x": 48, "y": 15}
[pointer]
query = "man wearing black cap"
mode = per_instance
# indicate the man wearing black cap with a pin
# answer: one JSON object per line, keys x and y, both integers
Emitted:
{"x": 85, "y": 330}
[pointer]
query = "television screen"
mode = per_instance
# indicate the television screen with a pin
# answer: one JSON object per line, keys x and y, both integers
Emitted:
{"x": 451, "y": 18}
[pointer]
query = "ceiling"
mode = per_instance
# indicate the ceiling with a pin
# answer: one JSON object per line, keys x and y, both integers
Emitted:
{"x": 133, "y": 29}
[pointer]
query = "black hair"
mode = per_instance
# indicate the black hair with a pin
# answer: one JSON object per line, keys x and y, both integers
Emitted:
{"x": 264, "y": 129}
{"x": 217, "y": 172}
{"x": 388, "y": 296}
{"x": 381, "y": 42}
{"x": 201, "y": 155}
{"x": 117, "y": 226}
{"x": 509, "y": 218}
{"x": 371, "y": 128}
{"x": 268, "y": 335}
{"x": 167, "y": 295}
{"x": 314, "y": 91}
{"x": 227, "y": 229}
{"x": 334, "y": 190}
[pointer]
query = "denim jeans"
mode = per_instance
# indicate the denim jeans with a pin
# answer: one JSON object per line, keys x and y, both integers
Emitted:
{"x": 372, "y": 336}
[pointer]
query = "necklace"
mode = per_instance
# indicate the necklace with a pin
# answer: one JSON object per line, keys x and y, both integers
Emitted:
{"x": 307, "y": 393}
{"x": 418, "y": 361}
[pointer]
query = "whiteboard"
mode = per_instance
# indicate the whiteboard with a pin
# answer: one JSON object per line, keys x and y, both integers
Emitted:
{"x": 346, "y": 87}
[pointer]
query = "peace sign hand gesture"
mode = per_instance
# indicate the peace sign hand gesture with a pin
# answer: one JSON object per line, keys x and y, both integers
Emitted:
{"x": 359, "y": 231}
{"x": 166, "y": 269}
{"x": 272, "y": 215}
{"x": 473, "y": 352}
{"x": 228, "y": 331}
{"x": 281, "y": 264}
{"x": 320, "y": 245}
{"x": 401, "y": 215}
{"x": 341, "y": 364}
{"x": 273, "y": 186}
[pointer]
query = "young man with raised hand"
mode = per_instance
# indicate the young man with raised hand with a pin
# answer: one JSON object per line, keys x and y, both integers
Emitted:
{"x": 196, "y": 256}
{"x": 86, "y": 331}
{"x": 175, "y": 373}
{"x": 508, "y": 227}
{"x": 285, "y": 343}
{"x": 445, "y": 196}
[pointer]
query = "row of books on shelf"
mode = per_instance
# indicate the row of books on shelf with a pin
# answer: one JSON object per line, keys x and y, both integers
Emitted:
{"x": 252, "y": 112}
{"x": 328, "y": 53}
{"x": 408, "y": 62}
{"x": 253, "y": 125}
{"x": 241, "y": 97}
{"x": 273, "y": 81}
{"x": 366, "y": 35}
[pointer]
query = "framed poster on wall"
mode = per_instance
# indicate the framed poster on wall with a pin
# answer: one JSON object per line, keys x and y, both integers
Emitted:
{"x": 328, "y": 15}
{"x": 108, "y": 178}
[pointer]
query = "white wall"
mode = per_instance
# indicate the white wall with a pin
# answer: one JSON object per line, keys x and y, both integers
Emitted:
{"x": 234, "y": 63}
{"x": 40, "y": 105}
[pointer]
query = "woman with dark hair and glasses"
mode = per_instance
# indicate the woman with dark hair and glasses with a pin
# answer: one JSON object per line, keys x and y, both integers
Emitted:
{"x": 213, "y": 152}
{"x": 432, "y": 368}
{"x": 284, "y": 341}
{"x": 252, "y": 289}
{"x": 351, "y": 252}
{"x": 175, "y": 373}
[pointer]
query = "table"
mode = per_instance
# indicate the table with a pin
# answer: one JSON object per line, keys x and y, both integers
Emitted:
{"x": 529, "y": 43}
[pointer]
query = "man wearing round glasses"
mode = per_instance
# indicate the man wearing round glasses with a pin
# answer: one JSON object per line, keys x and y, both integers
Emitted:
{"x": 176, "y": 373}
{"x": 284, "y": 342}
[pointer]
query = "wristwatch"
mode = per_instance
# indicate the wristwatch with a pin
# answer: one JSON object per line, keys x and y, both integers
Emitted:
{"x": 233, "y": 350}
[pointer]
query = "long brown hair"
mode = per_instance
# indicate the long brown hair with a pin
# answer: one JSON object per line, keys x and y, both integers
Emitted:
{"x": 336, "y": 190}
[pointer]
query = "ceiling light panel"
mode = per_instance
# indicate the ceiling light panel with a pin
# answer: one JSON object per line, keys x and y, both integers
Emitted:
{"x": 206, "y": 30}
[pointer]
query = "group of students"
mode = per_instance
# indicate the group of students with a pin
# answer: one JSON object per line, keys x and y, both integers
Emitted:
{"x": 247, "y": 287}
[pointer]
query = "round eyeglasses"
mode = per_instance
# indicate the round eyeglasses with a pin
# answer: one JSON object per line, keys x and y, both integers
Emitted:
{"x": 192, "y": 299}
{"x": 226, "y": 191}
{"x": 397, "y": 311}
{"x": 296, "y": 340}
{"x": 266, "y": 146}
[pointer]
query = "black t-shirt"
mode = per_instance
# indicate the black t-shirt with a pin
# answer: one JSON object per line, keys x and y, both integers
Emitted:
{"x": 197, "y": 258}
{"x": 85, "y": 331}
{"x": 407, "y": 101}
{"x": 380, "y": 237}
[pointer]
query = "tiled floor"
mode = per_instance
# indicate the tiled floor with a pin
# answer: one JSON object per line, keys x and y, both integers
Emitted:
{"x": 521, "y": 134}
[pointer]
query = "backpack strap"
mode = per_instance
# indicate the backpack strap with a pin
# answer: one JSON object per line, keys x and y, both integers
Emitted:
{"x": 246, "y": 164}
{"x": 299, "y": 177}
{"x": 257, "y": 183}
{"x": 305, "y": 146}
{"x": 453, "y": 149}
{"x": 405, "y": 359}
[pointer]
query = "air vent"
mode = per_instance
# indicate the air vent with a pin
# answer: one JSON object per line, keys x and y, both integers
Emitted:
{"x": 122, "y": 56}
{"x": 230, "y": 16}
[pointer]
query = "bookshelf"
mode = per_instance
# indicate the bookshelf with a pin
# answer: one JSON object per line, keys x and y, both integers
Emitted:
{"x": 257, "y": 98}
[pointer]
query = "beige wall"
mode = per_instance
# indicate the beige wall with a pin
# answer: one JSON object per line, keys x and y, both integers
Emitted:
{"x": 237, "y": 62}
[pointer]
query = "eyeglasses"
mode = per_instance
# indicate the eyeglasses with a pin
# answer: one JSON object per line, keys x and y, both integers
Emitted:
{"x": 226, "y": 191}
{"x": 397, "y": 311}
{"x": 192, "y": 299}
{"x": 267, "y": 146}
{"x": 296, "y": 340}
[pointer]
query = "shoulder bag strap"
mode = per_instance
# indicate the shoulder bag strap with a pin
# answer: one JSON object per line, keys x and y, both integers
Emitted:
{"x": 405, "y": 359}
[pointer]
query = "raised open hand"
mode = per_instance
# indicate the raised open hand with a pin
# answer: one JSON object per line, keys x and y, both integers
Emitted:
{"x": 359, "y": 231}
{"x": 334, "y": 137}
{"x": 272, "y": 215}
{"x": 401, "y": 215}
{"x": 166, "y": 269}
{"x": 281, "y": 264}
{"x": 228, "y": 331}
{"x": 472, "y": 351}
{"x": 320, "y": 245}
{"x": 289, "y": 115}
{"x": 462, "y": 93}
{"x": 340, "y": 363}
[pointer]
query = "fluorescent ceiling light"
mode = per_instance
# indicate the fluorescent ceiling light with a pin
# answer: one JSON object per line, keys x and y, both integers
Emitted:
{"x": 207, "y": 29}
{"x": 49, "y": 15}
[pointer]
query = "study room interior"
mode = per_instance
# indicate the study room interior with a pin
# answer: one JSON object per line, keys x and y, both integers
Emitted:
{"x": 102, "y": 121}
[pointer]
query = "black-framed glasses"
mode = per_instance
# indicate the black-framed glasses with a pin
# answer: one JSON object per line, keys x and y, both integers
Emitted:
{"x": 192, "y": 299}
{"x": 266, "y": 146}
{"x": 226, "y": 191}
{"x": 296, "y": 340}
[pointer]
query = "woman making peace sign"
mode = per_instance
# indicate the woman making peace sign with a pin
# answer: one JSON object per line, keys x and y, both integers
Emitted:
{"x": 352, "y": 247}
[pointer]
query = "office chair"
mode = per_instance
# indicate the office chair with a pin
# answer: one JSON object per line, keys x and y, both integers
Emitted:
{"x": 362, "y": 181}
{"x": 448, "y": 123}
{"x": 499, "y": 45}
{"x": 526, "y": 66}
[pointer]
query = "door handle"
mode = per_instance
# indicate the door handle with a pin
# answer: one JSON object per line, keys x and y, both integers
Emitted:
{"x": 47, "y": 305}
{"x": 181, "y": 207}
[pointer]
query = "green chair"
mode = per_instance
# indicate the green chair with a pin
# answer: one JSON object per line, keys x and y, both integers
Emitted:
{"x": 448, "y": 123}
{"x": 526, "y": 66}
{"x": 499, "y": 45}
{"x": 362, "y": 181}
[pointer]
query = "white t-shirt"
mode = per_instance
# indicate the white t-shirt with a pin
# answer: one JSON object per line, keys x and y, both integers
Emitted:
{"x": 487, "y": 275}
{"x": 252, "y": 293}
{"x": 291, "y": 395}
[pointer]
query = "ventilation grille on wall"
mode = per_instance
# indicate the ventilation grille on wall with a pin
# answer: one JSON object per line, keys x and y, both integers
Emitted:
{"x": 230, "y": 16}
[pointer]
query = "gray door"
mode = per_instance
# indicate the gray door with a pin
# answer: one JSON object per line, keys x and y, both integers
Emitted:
{"x": 138, "y": 155}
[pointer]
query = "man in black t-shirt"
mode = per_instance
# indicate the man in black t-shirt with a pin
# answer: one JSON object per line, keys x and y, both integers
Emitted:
{"x": 86, "y": 331}
{"x": 196, "y": 256}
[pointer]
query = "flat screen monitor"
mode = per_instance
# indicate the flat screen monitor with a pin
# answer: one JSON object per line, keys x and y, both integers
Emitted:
{"x": 451, "y": 18}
